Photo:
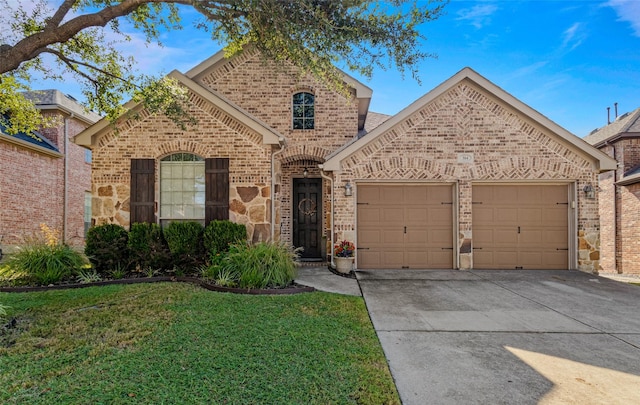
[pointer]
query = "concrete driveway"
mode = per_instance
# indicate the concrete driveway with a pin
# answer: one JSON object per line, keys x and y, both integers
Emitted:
{"x": 507, "y": 337}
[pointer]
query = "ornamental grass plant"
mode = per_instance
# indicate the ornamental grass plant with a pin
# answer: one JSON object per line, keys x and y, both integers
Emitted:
{"x": 263, "y": 265}
{"x": 44, "y": 260}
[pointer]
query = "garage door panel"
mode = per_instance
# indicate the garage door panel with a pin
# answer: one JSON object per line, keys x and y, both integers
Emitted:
{"x": 557, "y": 214}
{"x": 389, "y": 195}
{"x": 537, "y": 235}
{"x": 441, "y": 215}
{"x": 412, "y": 224}
{"x": 556, "y": 238}
{"x": 417, "y": 215}
{"x": 528, "y": 216}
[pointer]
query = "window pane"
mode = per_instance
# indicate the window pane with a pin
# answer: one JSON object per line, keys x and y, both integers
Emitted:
{"x": 182, "y": 187}
{"x": 308, "y": 98}
{"x": 308, "y": 123}
{"x": 308, "y": 111}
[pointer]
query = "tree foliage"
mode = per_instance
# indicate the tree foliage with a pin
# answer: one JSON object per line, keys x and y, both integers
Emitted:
{"x": 311, "y": 34}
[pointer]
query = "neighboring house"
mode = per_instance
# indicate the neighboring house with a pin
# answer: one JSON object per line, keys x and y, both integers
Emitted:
{"x": 619, "y": 194}
{"x": 44, "y": 177}
{"x": 465, "y": 177}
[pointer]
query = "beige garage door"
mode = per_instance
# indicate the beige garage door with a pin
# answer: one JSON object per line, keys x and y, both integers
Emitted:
{"x": 405, "y": 226}
{"x": 520, "y": 226}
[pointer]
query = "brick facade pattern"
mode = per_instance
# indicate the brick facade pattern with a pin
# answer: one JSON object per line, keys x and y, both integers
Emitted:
{"x": 505, "y": 147}
{"x": 32, "y": 187}
{"x": 266, "y": 90}
{"x": 154, "y": 137}
{"x": 620, "y": 211}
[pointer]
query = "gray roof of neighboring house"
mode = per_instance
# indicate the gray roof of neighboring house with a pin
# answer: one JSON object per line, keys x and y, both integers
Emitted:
{"x": 624, "y": 124}
{"x": 55, "y": 99}
{"x": 374, "y": 119}
{"x": 35, "y": 139}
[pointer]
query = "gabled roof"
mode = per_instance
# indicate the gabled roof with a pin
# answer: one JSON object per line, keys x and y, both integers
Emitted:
{"x": 603, "y": 161}
{"x": 363, "y": 92}
{"x": 90, "y": 136}
{"x": 627, "y": 124}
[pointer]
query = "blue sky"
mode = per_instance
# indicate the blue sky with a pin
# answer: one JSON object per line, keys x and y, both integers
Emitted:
{"x": 567, "y": 59}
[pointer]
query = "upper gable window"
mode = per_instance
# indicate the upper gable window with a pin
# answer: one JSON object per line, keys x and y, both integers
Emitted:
{"x": 303, "y": 111}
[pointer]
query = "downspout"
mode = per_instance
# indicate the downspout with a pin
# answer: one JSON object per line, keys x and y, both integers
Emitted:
{"x": 281, "y": 143}
{"x": 66, "y": 181}
{"x": 615, "y": 211}
{"x": 615, "y": 207}
{"x": 324, "y": 176}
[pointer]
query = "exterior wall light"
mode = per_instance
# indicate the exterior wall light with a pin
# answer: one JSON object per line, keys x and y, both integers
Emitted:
{"x": 348, "y": 190}
{"x": 589, "y": 191}
{"x": 305, "y": 173}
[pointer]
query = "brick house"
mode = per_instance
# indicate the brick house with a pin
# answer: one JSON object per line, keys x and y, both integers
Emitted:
{"x": 465, "y": 177}
{"x": 619, "y": 194}
{"x": 45, "y": 178}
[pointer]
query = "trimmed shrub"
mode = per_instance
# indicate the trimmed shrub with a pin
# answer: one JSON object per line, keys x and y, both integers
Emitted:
{"x": 266, "y": 264}
{"x": 220, "y": 235}
{"x": 185, "y": 244}
{"x": 148, "y": 248}
{"x": 106, "y": 247}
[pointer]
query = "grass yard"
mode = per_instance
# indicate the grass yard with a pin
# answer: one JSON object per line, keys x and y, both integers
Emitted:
{"x": 177, "y": 343}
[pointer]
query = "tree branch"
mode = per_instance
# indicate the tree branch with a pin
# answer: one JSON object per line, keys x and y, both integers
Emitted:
{"x": 59, "y": 14}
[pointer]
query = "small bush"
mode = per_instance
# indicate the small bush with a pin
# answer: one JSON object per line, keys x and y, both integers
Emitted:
{"x": 147, "y": 247}
{"x": 43, "y": 264}
{"x": 88, "y": 276}
{"x": 220, "y": 235}
{"x": 263, "y": 265}
{"x": 106, "y": 247}
{"x": 185, "y": 244}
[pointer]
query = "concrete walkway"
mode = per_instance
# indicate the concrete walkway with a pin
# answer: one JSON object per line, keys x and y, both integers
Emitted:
{"x": 322, "y": 279}
{"x": 507, "y": 337}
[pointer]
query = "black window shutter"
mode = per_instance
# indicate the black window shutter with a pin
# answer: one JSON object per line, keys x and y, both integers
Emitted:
{"x": 216, "y": 189}
{"x": 142, "y": 194}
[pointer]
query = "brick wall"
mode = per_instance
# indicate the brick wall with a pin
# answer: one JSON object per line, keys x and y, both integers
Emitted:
{"x": 505, "y": 145}
{"x": 32, "y": 187}
{"x": 630, "y": 229}
{"x": 154, "y": 137}
{"x": 266, "y": 91}
{"x": 620, "y": 210}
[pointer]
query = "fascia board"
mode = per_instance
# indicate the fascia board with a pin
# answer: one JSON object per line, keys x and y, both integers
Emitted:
{"x": 30, "y": 146}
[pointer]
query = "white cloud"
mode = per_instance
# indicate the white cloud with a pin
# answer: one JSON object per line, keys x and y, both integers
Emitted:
{"x": 573, "y": 36}
{"x": 629, "y": 11}
{"x": 478, "y": 15}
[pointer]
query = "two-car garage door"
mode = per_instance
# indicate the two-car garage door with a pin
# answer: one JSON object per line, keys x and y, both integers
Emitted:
{"x": 412, "y": 225}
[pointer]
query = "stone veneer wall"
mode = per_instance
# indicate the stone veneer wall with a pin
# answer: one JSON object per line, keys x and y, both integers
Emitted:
{"x": 154, "y": 136}
{"x": 505, "y": 147}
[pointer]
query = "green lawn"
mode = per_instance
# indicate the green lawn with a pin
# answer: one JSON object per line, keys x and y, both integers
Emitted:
{"x": 177, "y": 343}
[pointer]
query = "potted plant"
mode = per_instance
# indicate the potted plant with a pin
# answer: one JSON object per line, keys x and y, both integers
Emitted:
{"x": 343, "y": 253}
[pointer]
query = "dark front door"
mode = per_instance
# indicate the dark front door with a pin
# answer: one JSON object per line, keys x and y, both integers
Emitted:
{"x": 307, "y": 216}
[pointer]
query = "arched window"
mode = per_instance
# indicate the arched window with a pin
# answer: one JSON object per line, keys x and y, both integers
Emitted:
{"x": 182, "y": 188}
{"x": 303, "y": 111}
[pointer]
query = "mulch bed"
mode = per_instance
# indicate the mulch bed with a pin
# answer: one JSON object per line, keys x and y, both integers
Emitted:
{"x": 292, "y": 289}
